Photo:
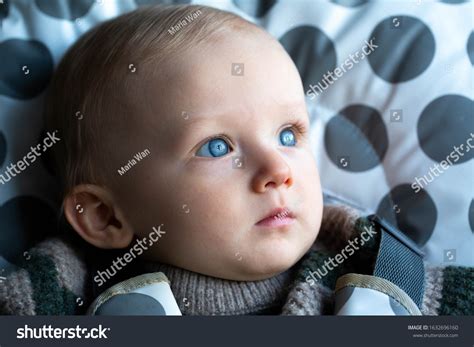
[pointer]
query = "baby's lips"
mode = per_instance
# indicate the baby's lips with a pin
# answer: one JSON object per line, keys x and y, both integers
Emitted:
{"x": 279, "y": 212}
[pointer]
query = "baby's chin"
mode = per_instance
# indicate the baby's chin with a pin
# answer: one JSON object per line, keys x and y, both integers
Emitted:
{"x": 270, "y": 262}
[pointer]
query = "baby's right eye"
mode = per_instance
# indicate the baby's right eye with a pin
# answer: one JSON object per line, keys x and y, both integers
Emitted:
{"x": 216, "y": 147}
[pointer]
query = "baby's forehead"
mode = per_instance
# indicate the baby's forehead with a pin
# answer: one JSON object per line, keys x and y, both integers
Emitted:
{"x": 220, "y": 83}
{"x": 225, "y": 75}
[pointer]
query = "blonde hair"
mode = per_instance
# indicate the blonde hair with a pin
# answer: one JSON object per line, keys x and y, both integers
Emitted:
{"x": 90, "y": 84}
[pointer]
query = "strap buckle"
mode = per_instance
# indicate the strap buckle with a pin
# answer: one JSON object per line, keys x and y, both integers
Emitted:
{"x": 397, "y": 234}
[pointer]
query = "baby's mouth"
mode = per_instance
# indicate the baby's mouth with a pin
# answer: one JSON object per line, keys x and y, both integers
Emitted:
{"x": 278, "y": 217}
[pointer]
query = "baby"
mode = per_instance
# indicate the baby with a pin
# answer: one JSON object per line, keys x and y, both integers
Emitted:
{"x": 217, "y": 107}
{"x": 191, "y": 122}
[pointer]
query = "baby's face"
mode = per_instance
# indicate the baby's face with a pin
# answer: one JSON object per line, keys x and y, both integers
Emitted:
{"x": 224, "y": 153}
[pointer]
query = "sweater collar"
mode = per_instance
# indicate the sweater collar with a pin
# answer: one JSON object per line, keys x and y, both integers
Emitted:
{"x": 198, "y": 294}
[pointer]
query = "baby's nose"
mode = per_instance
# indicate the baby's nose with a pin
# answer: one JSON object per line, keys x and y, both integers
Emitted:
{"x": 273, "y": 171}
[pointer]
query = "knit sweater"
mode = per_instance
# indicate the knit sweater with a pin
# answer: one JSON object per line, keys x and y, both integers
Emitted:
{"x": 57, "y": 279}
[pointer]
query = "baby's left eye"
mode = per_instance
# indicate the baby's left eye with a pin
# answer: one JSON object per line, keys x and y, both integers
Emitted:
{"x": 287, "y": 137}
{"x": 216, "y": 147}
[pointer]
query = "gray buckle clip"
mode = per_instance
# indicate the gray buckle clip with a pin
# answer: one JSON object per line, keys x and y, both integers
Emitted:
{"x": 400, "y": 236}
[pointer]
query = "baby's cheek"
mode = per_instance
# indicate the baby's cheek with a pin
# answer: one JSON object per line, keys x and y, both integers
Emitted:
{"x": 312, "y": 201}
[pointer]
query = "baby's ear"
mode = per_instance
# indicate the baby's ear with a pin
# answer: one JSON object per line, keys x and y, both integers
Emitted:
{"x": 95, "y": 215}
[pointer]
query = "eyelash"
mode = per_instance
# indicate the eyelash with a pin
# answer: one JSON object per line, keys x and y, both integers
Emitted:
{"x": 297, "y": 126}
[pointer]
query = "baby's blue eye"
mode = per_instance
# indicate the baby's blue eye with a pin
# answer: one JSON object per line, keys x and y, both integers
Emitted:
{"x": 287, "y": 137}
{"x": 213, "y": 148}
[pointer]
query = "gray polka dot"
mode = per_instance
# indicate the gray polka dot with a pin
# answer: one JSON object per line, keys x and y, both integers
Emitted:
{"x": 356, "y": 138}
{"x": 470, "y": 48}
{"x": 412, "y": 213}
{"x": 65, "y": 9}
{"x": 47, "y": 157}
{"x": 397, "y": 308}
{"x": 349, "y": 3}
{"x": 342, "y": 297}
{"x": 134, "y": 304}
{"x": 471, "y": 215}
{"x": 445, "y": 123}
{"x": 255, "y": 8}
{"x": 406, "y": 47}
{"x": 24, "y": 221}
{"x": 3, "y": 148}
{"x": 4, "y": 8}
{"x": 26, "y": 68}
{"x": 312, "y": 51}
